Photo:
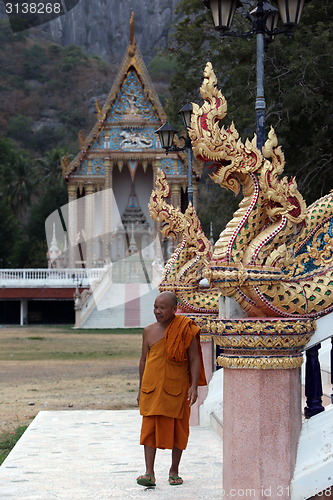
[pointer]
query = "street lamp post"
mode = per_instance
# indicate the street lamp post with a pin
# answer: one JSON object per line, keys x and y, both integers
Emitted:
{"x": 166, "y": 135}
{"x": 264, "y": 18}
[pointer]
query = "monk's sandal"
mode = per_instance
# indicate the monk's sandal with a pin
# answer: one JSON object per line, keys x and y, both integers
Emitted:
{"x": 145, "y": 480}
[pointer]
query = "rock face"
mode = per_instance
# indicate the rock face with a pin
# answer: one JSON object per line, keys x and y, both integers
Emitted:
{"x": 101, "y": 27}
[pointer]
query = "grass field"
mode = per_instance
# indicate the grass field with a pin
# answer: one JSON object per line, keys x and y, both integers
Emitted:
{"x": 59, "y": 368}
{"x": 64, "y": 343}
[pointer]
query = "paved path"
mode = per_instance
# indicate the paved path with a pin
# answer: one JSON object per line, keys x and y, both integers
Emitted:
{"x": 95, "y": 455}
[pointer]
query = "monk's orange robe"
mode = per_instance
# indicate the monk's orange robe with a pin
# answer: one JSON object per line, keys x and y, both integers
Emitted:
{"x": 164, "y": 389}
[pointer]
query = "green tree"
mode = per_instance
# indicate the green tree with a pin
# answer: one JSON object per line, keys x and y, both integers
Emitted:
{"x": 300, "y": 97}
{"x": 19, "y": 128}
{"x": 49, "y": 168}
{"x": 9, "y": 232}
{"x": 34, "y": 59}
{"x": 162, "y": 66}
{"x": 7, "y": 155}
{"x": 19, "y": 185}
{"x": 298, "y": 87}
{"x": 17, "y": 180}
{"x": 10, "y": 223}
{"x": 54, "y": 196}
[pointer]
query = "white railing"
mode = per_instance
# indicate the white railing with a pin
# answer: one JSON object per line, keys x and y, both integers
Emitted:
{"x": 20, "y": 278}
{"x": 324, "y": 330}
{"x": 90, "y": 301}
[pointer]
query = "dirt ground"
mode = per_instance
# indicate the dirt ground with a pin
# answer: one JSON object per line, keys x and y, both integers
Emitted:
{"x": 102, "y": 374}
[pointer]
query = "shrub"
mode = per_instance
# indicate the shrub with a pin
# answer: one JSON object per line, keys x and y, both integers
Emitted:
{"x": 19, "y": 128}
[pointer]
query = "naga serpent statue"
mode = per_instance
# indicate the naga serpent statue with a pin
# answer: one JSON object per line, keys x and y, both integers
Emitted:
{"x": 185, "y": 268}
{"x": 275, "y": 257}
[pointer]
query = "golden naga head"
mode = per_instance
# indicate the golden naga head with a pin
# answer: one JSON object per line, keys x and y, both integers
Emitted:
{"x": 170, "y": 218}
{"x": 175, "y": 223}
{"x": 234, "y": 161}
{"x": 221, "y": 147}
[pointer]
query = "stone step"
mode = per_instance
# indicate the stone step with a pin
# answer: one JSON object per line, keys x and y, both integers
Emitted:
{"x": 313, "y": 470}
{"x": 216, "y": 424}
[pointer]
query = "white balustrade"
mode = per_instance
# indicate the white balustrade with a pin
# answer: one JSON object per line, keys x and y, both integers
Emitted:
{"x": 21, "y": 278}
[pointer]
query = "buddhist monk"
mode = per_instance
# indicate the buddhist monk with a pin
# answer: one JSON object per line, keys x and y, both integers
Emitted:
{"x": 170, "y": 370}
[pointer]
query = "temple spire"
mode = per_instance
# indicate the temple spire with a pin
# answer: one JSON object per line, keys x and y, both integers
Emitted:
{"x": 132, "y": 29}
{"x": 132, "y": 44}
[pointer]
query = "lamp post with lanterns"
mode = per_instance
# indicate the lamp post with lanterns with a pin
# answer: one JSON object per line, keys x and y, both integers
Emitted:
{"x": 265, "y": 19}
{"x": 166, "y": 135}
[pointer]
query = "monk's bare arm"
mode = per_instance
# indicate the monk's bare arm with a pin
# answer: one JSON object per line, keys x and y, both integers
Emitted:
{"x": 142, "y": 363}
{"x": 194, "y": 363}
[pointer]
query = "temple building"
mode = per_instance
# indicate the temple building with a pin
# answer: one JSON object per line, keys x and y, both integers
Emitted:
{"x": 110, "y": 182}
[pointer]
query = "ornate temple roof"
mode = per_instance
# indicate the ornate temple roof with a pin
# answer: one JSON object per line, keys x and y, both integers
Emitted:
{"x": 131, "y": 107}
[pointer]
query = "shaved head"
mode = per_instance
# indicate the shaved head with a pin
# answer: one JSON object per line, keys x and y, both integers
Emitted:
{"x": 171, "y": 297}
{"x": 165, "y": 307}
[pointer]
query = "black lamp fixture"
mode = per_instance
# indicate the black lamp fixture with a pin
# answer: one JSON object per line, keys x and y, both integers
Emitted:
{"x": 264, "y": 18}
{"x": 186, "y": 113}
{"x": 166, "y": 135}
{"x": 223, "y": 12}
{"x": 269, "y": 16}
{"x": 290, "y": 11}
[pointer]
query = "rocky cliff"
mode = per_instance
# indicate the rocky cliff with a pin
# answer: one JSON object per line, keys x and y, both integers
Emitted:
{"x": 101, "y": 27}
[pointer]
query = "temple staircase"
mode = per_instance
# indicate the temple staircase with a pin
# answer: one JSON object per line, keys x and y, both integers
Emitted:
{"x": 123, "y": 297}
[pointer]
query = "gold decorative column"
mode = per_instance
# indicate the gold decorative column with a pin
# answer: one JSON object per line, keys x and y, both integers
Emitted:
{"x": 261, "y": 343}
{"x": 261, "y": 401}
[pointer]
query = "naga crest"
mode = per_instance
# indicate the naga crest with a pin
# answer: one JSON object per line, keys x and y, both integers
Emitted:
{"x": 186, "y": 267}
{"x": 275, "y": 257}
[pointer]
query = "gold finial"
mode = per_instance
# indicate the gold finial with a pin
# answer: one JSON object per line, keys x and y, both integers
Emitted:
{"x": 132, "y": 28}
{"x": 82, "y": 138}
{"x": 98, "y": 108}
{"x": 64, "y": 162}
{"x": 131, "y": 47}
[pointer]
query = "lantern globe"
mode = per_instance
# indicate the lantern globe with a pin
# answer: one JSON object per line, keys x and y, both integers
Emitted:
{"x": 222, "y": 12}
{"x": 186, "y": 113}
{"x": 290, "y": 11}
{"x": 166, "y": 134}
{"x": 270, "y": 15}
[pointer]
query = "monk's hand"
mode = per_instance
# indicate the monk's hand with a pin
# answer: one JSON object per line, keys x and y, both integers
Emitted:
{"x": 138, "y": 398}
{"x": 192, "y": 395}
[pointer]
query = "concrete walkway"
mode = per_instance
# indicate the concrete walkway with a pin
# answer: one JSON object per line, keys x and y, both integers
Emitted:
{"x": 86, "y": 455}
